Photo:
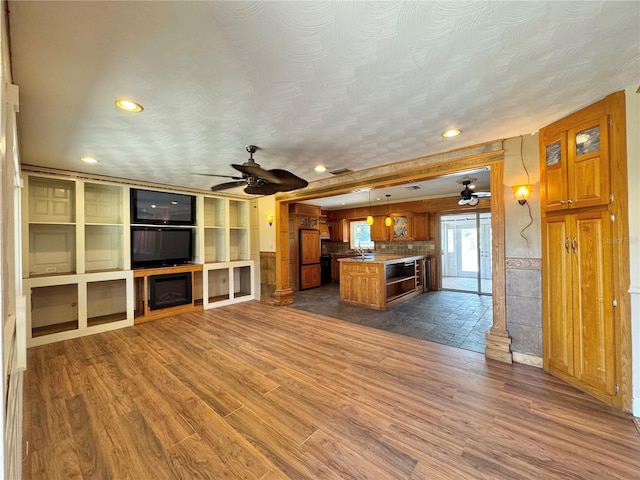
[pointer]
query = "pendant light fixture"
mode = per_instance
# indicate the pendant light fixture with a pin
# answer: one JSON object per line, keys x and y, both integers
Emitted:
{"x": 388, "y": 221}
{"x": 369, "y": 217}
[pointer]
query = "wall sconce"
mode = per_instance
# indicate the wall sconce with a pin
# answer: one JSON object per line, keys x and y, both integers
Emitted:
{"x": 270, "y": 219}
{"x": 521, "y": 193}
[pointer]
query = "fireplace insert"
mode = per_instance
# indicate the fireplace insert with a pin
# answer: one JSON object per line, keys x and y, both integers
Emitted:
{"x": 169, "y": 290}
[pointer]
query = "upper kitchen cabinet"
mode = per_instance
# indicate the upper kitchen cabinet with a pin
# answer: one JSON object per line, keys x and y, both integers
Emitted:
{"x": 379, "y": 231}
{"x": 340, "y": 230}
{"x": 401, "y": 226}
{"x": 574, "y": 160}
{"x": 420, "y": 226}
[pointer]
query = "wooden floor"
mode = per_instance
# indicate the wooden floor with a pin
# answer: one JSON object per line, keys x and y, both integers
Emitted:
{"x": 253, "y": 391}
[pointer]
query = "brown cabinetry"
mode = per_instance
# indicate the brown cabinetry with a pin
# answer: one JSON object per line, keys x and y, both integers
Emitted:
{"x": 575, "y": 165}
{"x": 580, "y": 220}
{"x": 378, "y": 284}
{"x": 309, "y": 276}
{"x": 340, "y": 230}
{"x": 578, "y": 299}
{"x": 420, "y": 226}
{"x": 379, "y": 231}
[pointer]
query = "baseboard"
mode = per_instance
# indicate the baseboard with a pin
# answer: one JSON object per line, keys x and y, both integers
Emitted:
{"x": 531, "y": 360}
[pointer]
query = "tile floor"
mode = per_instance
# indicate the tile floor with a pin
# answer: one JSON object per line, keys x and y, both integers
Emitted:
{"x": 452, "y": 318}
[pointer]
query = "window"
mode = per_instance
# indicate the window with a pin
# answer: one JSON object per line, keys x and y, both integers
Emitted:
{"x": 360, "y": 235}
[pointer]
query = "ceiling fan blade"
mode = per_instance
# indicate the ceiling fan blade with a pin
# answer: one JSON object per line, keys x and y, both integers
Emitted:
{"x": 288, "y": 181}
{"x": 262, "y": 189}
{"x": 216, "y": 175}
{"x": 255, "y": 170}
{"x": 227, "y": 185}
{"x": 482, "y": 194}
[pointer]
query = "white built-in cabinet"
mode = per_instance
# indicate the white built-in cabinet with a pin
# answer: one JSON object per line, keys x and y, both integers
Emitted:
{"x": 76, "y": 256}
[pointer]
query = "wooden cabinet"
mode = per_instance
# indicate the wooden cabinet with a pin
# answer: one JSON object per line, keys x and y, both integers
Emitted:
{"x": 309, "y": 246}
{"x": 420, "y": 226}
{"x": 400, "y": 230}
{"x": 309, "y": 276}
{"x": 379, "y": 231}
{"x": 578, "y": 300}
{"x": 581, "y": 221}
{"x": 340, "y": 230}
{"x": 378, "y": 284}
{"x": 574, "y": 161}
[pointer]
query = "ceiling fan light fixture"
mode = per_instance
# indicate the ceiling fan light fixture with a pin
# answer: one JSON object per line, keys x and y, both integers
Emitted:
{"x": 452, "y": 132}
{"x": 129, "y": 105}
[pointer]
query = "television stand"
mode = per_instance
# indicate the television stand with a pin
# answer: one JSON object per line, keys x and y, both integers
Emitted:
{"x": 142, "y": 311}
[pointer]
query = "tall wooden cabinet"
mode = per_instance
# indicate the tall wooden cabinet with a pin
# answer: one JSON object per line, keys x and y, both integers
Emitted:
{"x": 581, "y": 277}
{"x": 579, "y": 333}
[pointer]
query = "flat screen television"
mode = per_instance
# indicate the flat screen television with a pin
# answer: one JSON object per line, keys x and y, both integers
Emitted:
{"x": 161, "y": 247}
{"x": 162, "y": 208}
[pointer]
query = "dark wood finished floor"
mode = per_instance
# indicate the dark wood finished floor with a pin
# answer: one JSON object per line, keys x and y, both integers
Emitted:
{"x": 253, "y": 391}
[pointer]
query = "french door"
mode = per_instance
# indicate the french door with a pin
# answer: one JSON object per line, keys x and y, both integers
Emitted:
{"x": 466, "y": 252}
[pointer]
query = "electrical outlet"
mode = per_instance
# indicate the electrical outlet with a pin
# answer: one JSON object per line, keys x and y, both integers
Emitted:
{"x": 50, "y": 269}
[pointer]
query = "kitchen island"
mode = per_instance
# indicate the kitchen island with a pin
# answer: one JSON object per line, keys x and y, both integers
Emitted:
{"x": 377, "y": 281}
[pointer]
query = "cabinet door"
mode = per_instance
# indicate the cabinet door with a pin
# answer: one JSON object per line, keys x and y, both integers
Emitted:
{"x": 553, "y": 155}
{"x": 309, "y": 246}
{"x": 401, "y": 228}
{"x": 588, "y": 171}
{"x": 557, "y": 305}
{"x": 340, "y": 230}
{"x": 309, "y": 276}
{"x": 420, "y": 226}
{"x": 593, "y": 340}
{"x": 379, "y": 231}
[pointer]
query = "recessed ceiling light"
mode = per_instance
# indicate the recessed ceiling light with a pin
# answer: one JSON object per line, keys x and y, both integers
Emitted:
{"x": 320, "y": 168}
{"x": 454, "y": 132}
{"x": 128, "y": 106}
{"x": 89, "y": 160}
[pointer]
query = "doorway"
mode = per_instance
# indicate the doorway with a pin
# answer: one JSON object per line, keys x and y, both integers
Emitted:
{"x": 466, "y": 252}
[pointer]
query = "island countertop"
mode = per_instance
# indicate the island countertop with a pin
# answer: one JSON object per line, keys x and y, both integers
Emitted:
{"x": 377, "y": 281}
{"x": 381, "y": 258}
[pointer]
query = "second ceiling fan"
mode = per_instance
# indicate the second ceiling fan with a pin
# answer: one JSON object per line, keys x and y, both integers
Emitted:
{"x": 468, "y": 195}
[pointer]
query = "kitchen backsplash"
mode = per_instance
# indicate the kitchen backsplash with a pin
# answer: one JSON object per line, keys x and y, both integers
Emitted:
{"x": 389, "y": 248}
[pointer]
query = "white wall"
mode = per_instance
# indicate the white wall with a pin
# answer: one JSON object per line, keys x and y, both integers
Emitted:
{"x": 633, "y": 172}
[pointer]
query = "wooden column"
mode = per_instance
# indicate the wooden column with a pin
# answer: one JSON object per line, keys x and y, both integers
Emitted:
{"x": 283, "y": 294}
{"x": 498, "y": 339}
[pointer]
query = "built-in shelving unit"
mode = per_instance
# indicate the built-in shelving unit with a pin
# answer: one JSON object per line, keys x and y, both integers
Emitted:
{"x": 77, "y": 257}
{"x": 400, "y": 279}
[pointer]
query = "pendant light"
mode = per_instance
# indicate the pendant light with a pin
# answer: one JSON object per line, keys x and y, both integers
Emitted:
{"x": 369, "y": 217}
{"x": 388, "y": 221}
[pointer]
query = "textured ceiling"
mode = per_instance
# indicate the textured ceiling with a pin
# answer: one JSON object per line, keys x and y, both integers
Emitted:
{"x": 346, "y": 84}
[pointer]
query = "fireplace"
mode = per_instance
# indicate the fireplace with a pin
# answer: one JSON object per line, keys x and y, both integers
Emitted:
{"x": 169, "y": 290}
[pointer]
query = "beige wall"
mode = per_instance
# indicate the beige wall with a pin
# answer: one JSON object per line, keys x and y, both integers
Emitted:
{"x": 266, "y": 206}
{"x": 516, "y": 215}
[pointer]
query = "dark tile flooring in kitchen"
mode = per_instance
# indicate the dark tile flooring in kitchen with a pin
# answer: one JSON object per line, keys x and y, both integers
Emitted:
{"x": 452, "y": 318}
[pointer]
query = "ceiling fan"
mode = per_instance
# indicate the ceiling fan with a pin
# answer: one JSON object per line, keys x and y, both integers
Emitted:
{"x": 469, "y": 197}
{"x": 259, "y": 181}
